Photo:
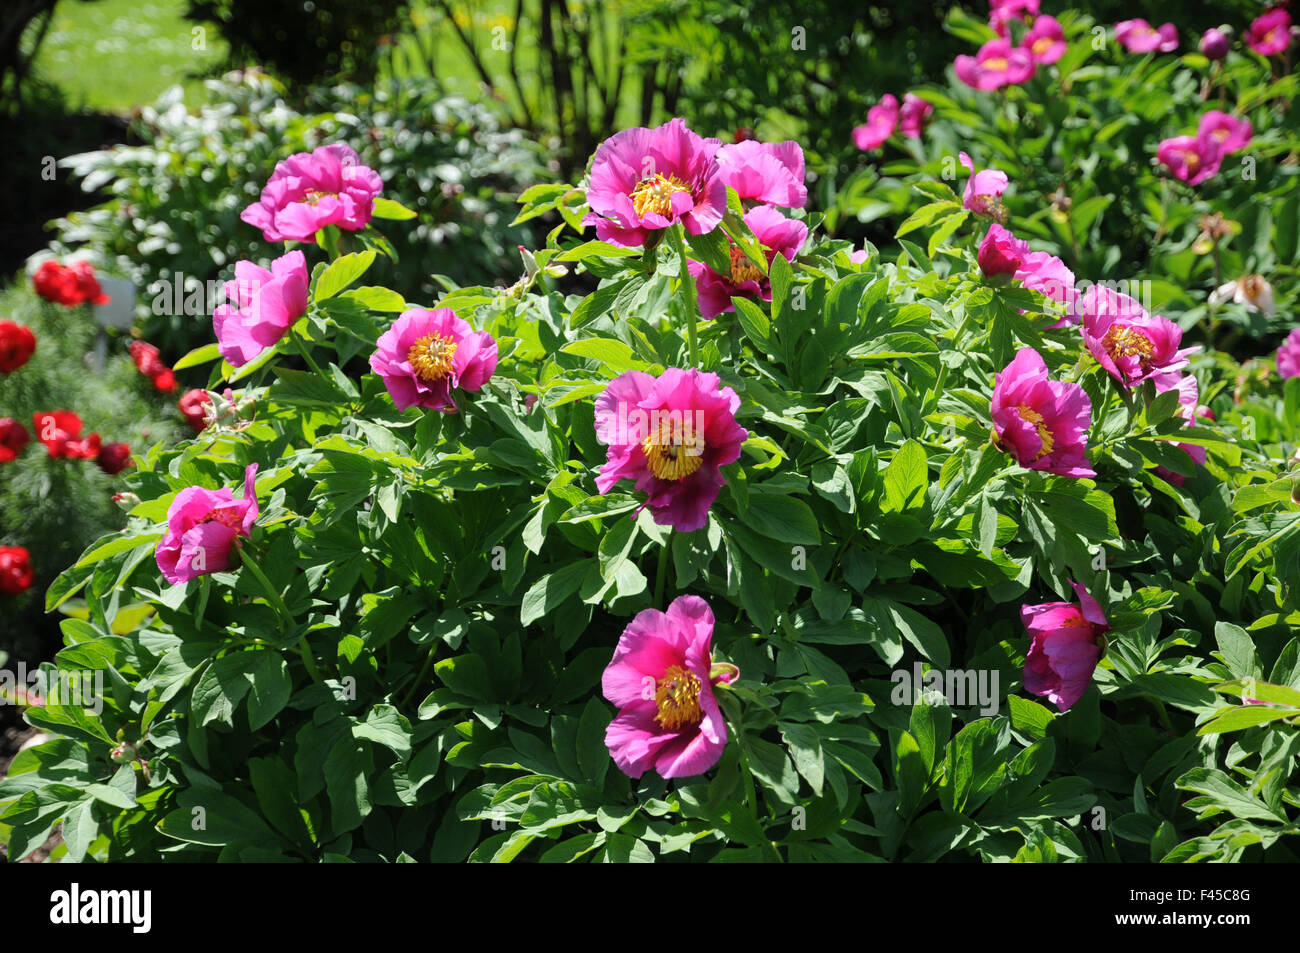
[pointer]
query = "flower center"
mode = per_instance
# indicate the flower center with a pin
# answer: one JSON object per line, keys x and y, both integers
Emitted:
{"x": 670, "y": 455}
{"x": 1041, "y": 45}
{"x": 742, "y": 269}
{"x": 430, "y": 357}
{"x": 678, "y": 699}
{"x": 1121, "y": 342}
{"x": 1031, "y": 416}
{"x": 313, "y": 196}
{"x": 1192, "y": 161}
{"x": 225, "y": 517}
{"x": 997, "y": 63}
{"x": 655, "y": 194}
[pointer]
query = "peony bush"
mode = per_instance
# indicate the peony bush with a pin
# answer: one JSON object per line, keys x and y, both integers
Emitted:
{"x": 759, "y": 546}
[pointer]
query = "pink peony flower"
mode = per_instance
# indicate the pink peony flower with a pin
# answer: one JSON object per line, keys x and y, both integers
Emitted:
{"x": 1129, "y": 343}
{"x": 309, "y": 190}
{"x": 1288, "y": 355}
{"x": 1066, "y": 643}
{"x": 777, "y": 234}
{"x": 426, "y": 354}
{"x": 661, "y": 678}
{"x": 1045, "y": 41}
{"x": 1138, "y": 36}
{"x": 1192, "y": 159}
{"x": 1270, "y": 32}
{"x": 1215, "y": 44}
{"x": 670, "y": 434}
{"x": 983, "y": 189}
{"x": 1231, "y": 133}
{"x": 262, "y": 306}
{"x": 881, "y": 121}
{"x": 202, "y": 526}
{"x": 1188, "y": 409}
{"x": 997, "y": 64}
{"x": 914, "y": 115}
{"x": 1002, "y": 12}
{"x": 1041, "y": 422}
{"x": 1001, "y": 253}
{"x": 767, "y": 172}
{"x": 1046, "y": 273}
{"x": 643, "y": 180}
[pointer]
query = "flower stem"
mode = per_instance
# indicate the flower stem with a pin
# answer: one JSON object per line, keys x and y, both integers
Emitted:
{"x": 661, "y": 574}
{"x": 688, "y": 297}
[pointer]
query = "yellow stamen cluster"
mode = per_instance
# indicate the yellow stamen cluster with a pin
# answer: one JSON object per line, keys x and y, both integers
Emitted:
{"x": 313, "y": 196}
{"x": 1031, "y": 416}
{"x": 431, "y": 357}
{"x": 1128, "y": 342}
{"x": 669, "y": 456}
{"x": 677, "y": 696}
{"x": 742, "y": 269}
{"x": 1041, "y": 45}
{"x": 997, "y": 63}
{"x": 655, "y": 194}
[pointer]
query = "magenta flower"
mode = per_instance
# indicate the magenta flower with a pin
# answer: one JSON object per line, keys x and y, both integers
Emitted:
{"x": 427, "y": 354}
{"x": 661, "y": 679}
{"x": 1002, "y": 12}
{"x": 777, "y": 234}
{"x": 914, "y": 115}
{"x": 983, "y": 189}
{"x": 1129, "y": 343}
{"x": 1231, "y": 133}
{"x": 881, "y": 122}
{"x": 1191, "y": 159}
{"x": 1270, "y": 32}
{"x": 309, "y": 190}
{"x": 202, "y": 526}
{"x": 643, "y": 180}
{"x": 768, "y": 172}
{"x": 1138, "y": 36}
{"x": 1041, "y": 422}
{"x": 997, "y": 64}
{"x": 1049, "y": 275}
{"x": 1045, "y": 41}
{"x": 1001, "y": 253}
{"x": 1066, "y": 643}
{"x": 670, "y": 435}
{"x": 263, "y": 306}
{"x": 1215, "y": 44}
{"x": 1288, "y": 355}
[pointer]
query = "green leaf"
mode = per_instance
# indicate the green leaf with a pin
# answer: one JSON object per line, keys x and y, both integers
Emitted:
{"x": 341, "y": 273}
{"x": 784, "y": 518}
{"x": 906, "y": 478}
{"x": 389, "y": 209}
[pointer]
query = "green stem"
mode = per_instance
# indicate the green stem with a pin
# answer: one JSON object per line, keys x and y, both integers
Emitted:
{"x": 661, "y": 574}
{"x": 687, "y": 284}
{"x": 302, "y": 349}
{"x": 282, "y": 610}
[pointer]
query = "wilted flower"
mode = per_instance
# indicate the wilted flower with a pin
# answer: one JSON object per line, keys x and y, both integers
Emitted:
{"x": 777, "y": 234}
{"x": 202, "y": 526}
{"x": 882, "y": 120}
{"x": 262, "y": 306}
{"x": 1043, "y": 423}
{"x": 670, "y": 434}
{"x": 1066, "y": 642}
{"x": 307, "y": 191}
{"x": 1252, "y": 292}
{"x": 644, "y": 180}
{"x": 425, "y": 355}
{"x": 768, "y": 172}
{"x": 997, "y": 64}
{"x": 661, "y": 678}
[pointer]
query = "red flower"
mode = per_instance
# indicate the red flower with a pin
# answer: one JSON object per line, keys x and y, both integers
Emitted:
{"x": 13, "y": 437}
{"x": 68, "y": 286}
{"x": 55, "y": 428}
{"x": 165, "y": 380}
{"x": 147, "y": 360}
{"x": 195, "y": 405}
{"x": 15, "y": 570}
{"x": 85, "y": 449}
{"x": 114, "y": 457}
{"x": 17, "y": 344}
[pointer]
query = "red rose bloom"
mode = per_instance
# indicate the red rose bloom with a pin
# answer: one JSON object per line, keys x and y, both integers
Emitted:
{"x": 17, "y": 344}
{"x": 114, "y": 458}
{"x": 15, "y": 570}
{"x": 13, "y": 437}
{"x": 68, "y": 286}
{"x": 83, "y": 449}
{"x": 55, "y": 428}
{"x": 194, "y": 405}
{"x": 147, "y": 359}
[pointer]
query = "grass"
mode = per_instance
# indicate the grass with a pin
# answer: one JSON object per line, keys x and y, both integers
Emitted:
{"x": 113, "y": 55}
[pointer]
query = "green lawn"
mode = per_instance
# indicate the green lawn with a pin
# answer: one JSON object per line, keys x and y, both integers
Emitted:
{"x": 116, "y": 54}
